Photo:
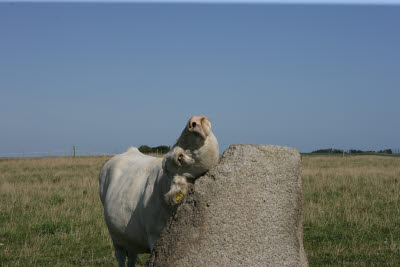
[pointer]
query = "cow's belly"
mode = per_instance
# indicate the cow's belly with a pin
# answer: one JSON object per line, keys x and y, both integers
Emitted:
{"x": 133, "y": 225}
{"x": 125, "y": 228}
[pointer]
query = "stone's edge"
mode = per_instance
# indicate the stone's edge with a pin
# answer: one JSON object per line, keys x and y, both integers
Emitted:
{"x": 266, "y": 148}
{"x": 277, "y": 151}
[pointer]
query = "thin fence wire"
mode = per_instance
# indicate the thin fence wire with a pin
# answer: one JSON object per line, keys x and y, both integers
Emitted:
{"x": 69, "y": 153}
{"x": 24, "y": 154}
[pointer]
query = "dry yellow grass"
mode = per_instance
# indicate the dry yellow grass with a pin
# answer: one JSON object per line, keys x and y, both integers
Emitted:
{"x": 50, "y": 212}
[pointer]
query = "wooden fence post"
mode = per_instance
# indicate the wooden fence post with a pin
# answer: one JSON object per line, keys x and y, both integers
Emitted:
{"x": 74, "y": 151}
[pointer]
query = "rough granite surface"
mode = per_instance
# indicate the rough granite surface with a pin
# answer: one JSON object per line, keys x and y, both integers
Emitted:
{"x": 247, "y": 211}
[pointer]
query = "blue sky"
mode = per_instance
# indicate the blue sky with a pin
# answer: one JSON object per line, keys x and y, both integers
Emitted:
{"x": 107, "y": 76}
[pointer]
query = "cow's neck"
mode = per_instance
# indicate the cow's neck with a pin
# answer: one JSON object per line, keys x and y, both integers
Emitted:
{"x": 162, "y": 185}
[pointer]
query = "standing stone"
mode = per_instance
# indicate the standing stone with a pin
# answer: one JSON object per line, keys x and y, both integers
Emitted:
{"x": 247, "y": 211}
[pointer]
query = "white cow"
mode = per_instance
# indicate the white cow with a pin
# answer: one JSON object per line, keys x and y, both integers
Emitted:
{"x": 139, "y": 191}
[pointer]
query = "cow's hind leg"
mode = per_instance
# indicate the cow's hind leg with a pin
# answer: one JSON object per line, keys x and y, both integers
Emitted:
{"x": 120, "y": 255}
{"x": 132, "y": 256}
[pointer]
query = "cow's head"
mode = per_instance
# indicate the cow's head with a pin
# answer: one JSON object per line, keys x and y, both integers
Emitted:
{"x": 195, "y": 133}
{"x": 194, "y": 153}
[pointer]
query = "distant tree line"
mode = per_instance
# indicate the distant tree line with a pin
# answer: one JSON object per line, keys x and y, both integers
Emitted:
{"x": 328, "y": 150}
{"x": 386, "y": 151}
{"x": 158, "y": 149}
{"x": 350, "y": 151}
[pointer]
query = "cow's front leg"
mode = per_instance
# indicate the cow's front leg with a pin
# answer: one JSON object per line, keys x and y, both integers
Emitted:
{"x": 132, "y": 256}
{"x": 120, "y": 255}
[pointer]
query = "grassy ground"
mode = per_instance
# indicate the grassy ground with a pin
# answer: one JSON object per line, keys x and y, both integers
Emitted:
{"x": 351, "y": 155}
{"x": 352, "y": 210}
{"x": 50, "y": 212}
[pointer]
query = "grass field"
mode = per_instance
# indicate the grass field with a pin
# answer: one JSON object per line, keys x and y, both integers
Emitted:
{"x": 50, "y": 212}
{"x": 352, "y": 210}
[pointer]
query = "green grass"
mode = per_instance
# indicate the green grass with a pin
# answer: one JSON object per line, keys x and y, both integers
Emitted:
{"x": 351, "y": 154}
{"x": 352, "y": 210}
{"x": 51, "y": 214}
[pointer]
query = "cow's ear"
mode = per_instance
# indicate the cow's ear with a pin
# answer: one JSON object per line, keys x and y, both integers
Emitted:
{"x": 179, "y": 189}
{"x": 180, "y": 158}
{"x": 185, "y": 158}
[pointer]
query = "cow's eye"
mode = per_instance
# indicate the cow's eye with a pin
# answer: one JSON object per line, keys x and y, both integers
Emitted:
{"x": 180, "y": 158}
